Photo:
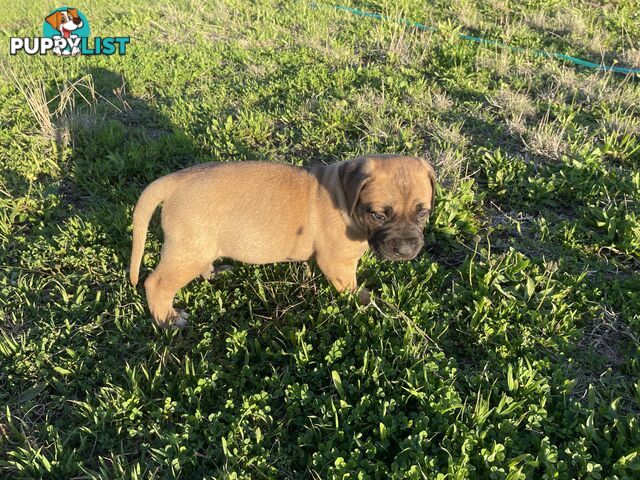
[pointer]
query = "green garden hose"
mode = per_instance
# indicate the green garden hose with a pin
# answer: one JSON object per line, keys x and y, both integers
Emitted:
{"x": 541, "y": 53}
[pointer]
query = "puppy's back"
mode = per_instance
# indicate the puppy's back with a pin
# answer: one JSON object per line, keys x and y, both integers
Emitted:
{"x": 255, "y": 212}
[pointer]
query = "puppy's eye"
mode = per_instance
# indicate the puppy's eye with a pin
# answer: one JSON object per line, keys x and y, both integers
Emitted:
{"x": 423, "y": 214}
{"x": 378, "y": 217}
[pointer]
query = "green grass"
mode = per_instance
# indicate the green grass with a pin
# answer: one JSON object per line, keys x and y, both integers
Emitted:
{"x": 510, "y": 349}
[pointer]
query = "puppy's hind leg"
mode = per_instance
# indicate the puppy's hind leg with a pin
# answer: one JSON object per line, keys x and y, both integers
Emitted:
{"x": 173, "y": 273}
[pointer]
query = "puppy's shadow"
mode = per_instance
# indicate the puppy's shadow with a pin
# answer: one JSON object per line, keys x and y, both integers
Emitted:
{"x": 110, "y": 145}
{"x": 118, "y": 146}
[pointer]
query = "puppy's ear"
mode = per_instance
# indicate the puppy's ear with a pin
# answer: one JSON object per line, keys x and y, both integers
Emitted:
{"x": 55, "y": 19}
{"x": 352, "y": 179}
{"x": 73, "y": 12}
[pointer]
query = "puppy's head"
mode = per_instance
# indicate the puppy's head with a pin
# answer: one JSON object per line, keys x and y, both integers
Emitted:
{"x": 391, "y": 199}
{"x": 65, "y": 21}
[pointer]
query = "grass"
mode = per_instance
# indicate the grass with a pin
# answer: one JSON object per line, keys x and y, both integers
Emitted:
{"x": 510, "y": 349}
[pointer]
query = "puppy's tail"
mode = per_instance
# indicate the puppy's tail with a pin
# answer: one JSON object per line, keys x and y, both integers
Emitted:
{"x": 151, "y": 197}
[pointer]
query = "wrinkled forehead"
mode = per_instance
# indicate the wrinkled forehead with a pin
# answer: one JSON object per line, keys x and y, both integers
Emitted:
{"x": 400, "y": 184}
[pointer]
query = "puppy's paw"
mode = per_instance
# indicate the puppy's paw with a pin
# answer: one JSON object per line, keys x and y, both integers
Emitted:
{"x": 364, "y": 296}
{"x": 181, "y": 320}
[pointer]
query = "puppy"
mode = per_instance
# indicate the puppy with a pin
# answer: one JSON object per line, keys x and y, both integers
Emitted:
{"x": 265, "y": 213}
{"x": 65, "y": 21}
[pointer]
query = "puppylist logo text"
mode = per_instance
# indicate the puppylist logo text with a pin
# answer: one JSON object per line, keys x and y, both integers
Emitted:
{"x": 66, "y": 33}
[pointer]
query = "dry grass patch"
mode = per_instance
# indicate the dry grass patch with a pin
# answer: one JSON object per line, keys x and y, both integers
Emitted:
{"x": 56, "y": 114}
{"x": 547, "y": 138}
{"x": 61, "y": 108}
{"x": 622, "y": 123}
{"x": 468, "y": 15}
{"x": 570, "y": 24}
{"x": 324, "y": 38}
{"x": 432, "y": 99}
{"x": 538, "y": 20}
{"x": 626, "y": 95}
{"x": 606, "y": 336}
{"x": 500, "y": 6}
{"x": 499, "y": 61}
{"x": 631, "y": 56}
{"x": 562, "y": 22}
{"x": 448, "y": 133}
{"x": 400, "y": 43}
{"x": 568, "y": 21}
{"x": 578, "y": 88}
{"x": 505, "y": 64}
{"x": 450, "y": 165}
{"x": 514, "y": 106}
{"x": 378, "y": 126}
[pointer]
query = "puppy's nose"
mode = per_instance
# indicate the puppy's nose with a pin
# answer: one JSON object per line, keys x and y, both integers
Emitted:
{"x": 406, "y": 247}
{"x": 77, "y": 21}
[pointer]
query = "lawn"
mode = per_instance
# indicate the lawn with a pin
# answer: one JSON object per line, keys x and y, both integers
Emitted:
{"x": 509, "y": 349}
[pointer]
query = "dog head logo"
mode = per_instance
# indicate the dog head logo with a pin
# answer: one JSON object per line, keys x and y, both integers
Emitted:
{"x": 65, "y": 32}
{"x": 69, "y": 24}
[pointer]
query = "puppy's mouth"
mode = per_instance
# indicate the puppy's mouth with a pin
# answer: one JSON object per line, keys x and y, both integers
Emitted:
{"x": 71, "y": 26}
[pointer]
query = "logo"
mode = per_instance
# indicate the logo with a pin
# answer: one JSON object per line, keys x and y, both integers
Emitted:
{"x": 66, "y": 33}
{"x": 66, "y": 25}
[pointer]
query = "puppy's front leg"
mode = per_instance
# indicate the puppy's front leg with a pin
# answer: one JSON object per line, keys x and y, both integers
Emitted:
{"x": 342, "y": 274}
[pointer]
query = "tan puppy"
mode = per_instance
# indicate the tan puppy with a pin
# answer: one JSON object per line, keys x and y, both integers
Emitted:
{"x": 265, "y": 213}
